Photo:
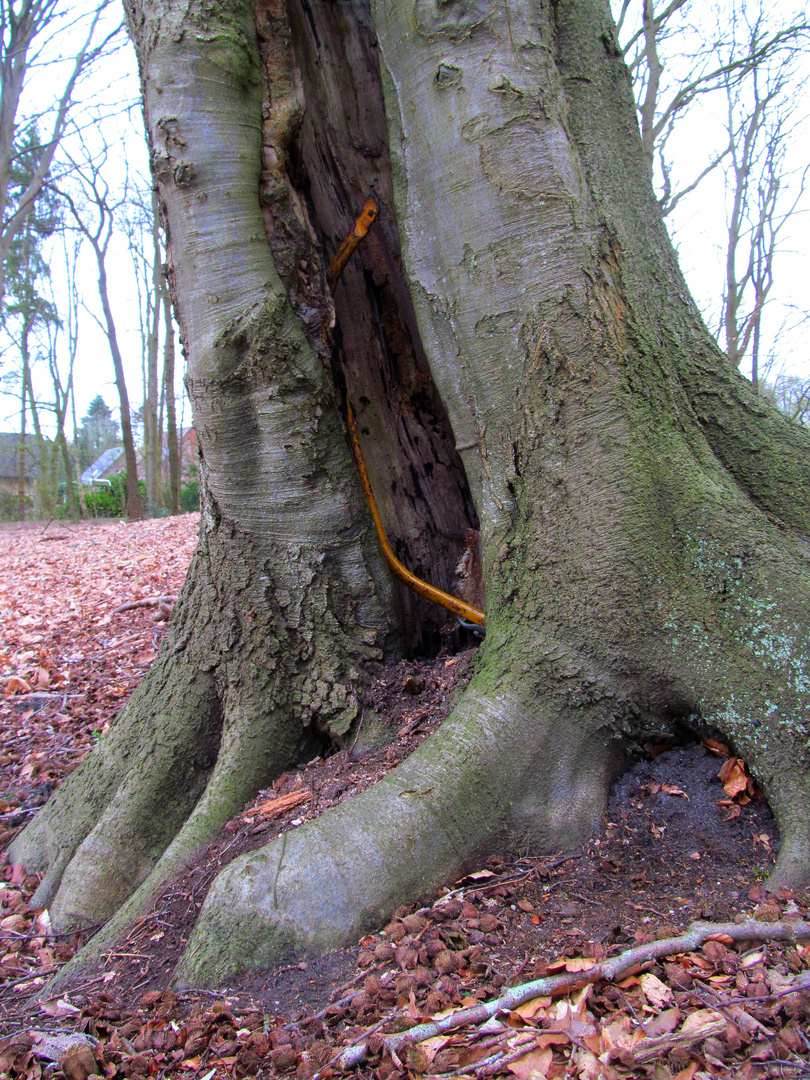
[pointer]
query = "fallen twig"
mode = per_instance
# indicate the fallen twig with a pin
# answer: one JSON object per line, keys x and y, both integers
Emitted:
{"x": 30, "y": 978}
{"x": 147, "y": 601}
{"x": 607, "y": 970}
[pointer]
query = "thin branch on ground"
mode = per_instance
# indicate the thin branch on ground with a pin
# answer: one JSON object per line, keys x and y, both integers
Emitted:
{"x": 606, "y": 971}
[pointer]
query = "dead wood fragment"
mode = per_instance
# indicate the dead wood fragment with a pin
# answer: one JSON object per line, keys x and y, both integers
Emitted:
{"x": 275, "y": 807}
{"x": 608, "y": 970}
{"x": 655, "y": 1049}
{"x": 147, "y": 601}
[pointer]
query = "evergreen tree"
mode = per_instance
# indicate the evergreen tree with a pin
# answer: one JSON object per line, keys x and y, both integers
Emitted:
{"x": 99, "y": 431}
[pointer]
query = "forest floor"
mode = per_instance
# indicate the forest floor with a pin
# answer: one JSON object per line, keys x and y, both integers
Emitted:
{"x": 687, "y": 837}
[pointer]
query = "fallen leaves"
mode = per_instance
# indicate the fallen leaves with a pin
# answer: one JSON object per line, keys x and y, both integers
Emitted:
{"x": 668, "y": 789}
{"x": 67, "y": 661}
{"x": 533, "y": 1065}
{"x": 602, "y": 1030}
{"x": 600, "y": 1042}
{"x": 657, "y": 993}
{"x": 429, "y": 963}
{"x": 736, "y": 782}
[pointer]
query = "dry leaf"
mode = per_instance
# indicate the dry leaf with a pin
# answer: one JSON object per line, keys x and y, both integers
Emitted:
{"x": 657, "y": 993}
{"x": 688, "y": 1072}
{"x": 529, "y": 1009}
{"x": 724, "y": 939}
{"x": 532, "y": 1066}
{"x": 59, "y": 1007}
{"x": 552, "y": 1038}
{"x": 51, "y": 1046}
{"x": 42, "y": 923}
{"x": 700, "y": 1019}
{"x": 671, "y": 789}
{"x": 621, "y": 1034}
{"x": 473, "y": 1054}
{"x": 579, "y": 1002}
{"x": 594, "y": 1043}
{"x": 734, "y": 777}
{"x": 716, "y": 747}
{"x": 752, "y": 958}
{"x": 13, "y": 922}
{"x": 79, "y": 1063}
{"x": 434, "y": 1045}
{"x": 16, "y": 685}
{"x": 579, "y": 963}
{"x": 662, "y": 1024}
{"x": 588, "y": 1065}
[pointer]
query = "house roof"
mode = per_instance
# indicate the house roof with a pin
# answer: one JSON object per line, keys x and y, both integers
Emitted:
{"x": 101, "y": 464}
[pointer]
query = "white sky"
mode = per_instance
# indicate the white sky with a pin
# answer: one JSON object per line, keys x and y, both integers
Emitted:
{"x": 697, "y": 226}
{"x": 107, "y": 110}
{"x": 698, "y": 223}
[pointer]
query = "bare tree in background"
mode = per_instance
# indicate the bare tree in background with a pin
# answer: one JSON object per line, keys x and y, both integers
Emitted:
{"x": 143, "y": 234}
{"x": 791, "y": 395}
{"x": 750, "y": 56}
{"x": 762, "y": 198}
{"x": 62, "y": 382}
{"x": 172, "y": 436}
{"x": 95, "y": 212}
{"x": 146, "y": 246}
{"x": 674, "y": 62}
{"x": 27, "y": 311}
{"x": 27, "y": 29}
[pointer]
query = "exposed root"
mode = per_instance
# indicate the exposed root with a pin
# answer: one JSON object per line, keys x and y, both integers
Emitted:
{"x": 463, "y": 794}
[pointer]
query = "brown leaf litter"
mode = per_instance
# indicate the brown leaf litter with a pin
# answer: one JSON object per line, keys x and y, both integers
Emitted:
{"x": 681, "y": 844}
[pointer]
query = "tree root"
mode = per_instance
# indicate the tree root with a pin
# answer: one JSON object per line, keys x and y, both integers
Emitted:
{"x": 607, "y": 971}
{"x": 460, "y": 795}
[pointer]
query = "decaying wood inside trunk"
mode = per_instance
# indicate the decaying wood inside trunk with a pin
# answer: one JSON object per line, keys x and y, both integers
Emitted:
{"x": 322, "y": 82}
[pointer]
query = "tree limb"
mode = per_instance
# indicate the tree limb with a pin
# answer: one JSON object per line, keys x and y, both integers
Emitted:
{"x": 608, "y": 970}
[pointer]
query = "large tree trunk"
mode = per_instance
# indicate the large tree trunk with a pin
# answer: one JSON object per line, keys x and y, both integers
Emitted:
{"x": 644, "y": 516}
{"x": 288, "y": 593}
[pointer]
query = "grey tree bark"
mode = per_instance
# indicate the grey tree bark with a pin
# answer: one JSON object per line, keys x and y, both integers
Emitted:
{"x": 643, "y": 515}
